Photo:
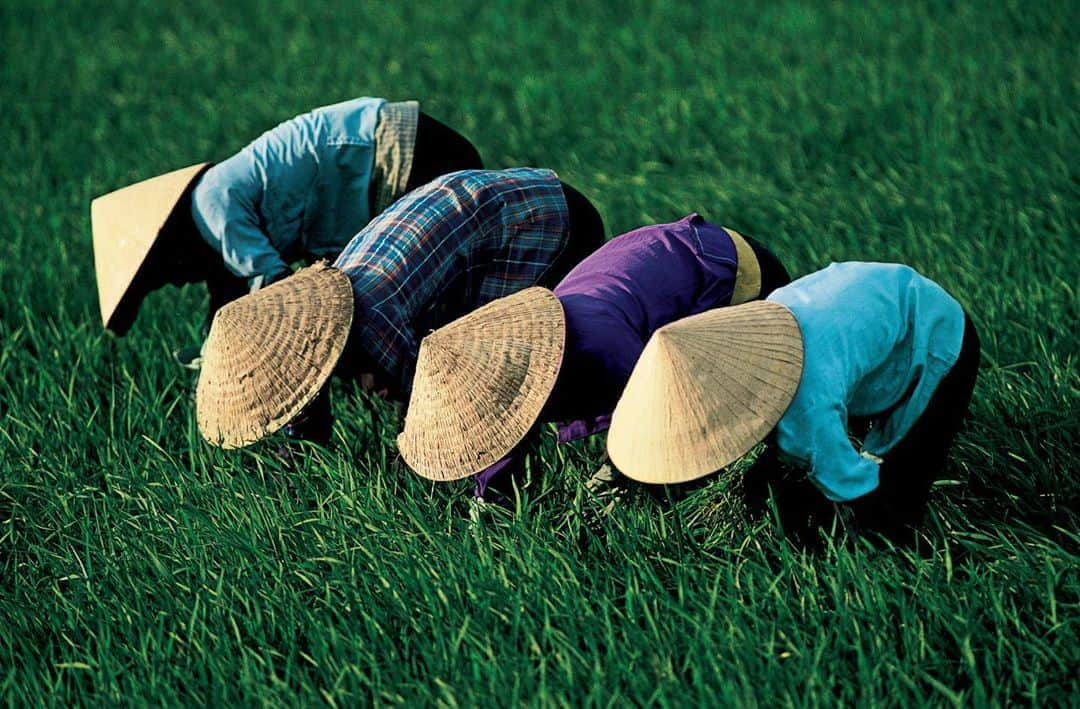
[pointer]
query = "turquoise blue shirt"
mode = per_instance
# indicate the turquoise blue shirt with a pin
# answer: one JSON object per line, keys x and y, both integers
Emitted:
{"x": 300, "y": 189}
{"x": 878, "y": 339}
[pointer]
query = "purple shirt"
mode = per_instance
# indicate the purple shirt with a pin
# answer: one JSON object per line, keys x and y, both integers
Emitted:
{"x": 614, "y": 300}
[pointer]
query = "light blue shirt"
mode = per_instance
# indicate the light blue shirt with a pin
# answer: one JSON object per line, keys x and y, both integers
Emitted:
{"x": 300, "y": 189}
{"x": 878, "y": 338}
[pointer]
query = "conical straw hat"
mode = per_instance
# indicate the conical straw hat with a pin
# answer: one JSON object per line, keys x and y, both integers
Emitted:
{"x": 126, "y": 224}
{"x": 705, "y": 391}
{"x": 480, "y": 384}
{"x": 269, "y": 353}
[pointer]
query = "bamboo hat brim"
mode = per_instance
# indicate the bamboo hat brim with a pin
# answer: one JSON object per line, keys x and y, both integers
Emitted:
{"x": 269, "y": 353}
{"x": 705, "y": 391}
{"x": 126, "y": 225}
{"x": 480, "y": 384}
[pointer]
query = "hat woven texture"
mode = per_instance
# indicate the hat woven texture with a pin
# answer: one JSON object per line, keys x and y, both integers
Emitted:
{"x": 269, "y": 353}
{"x": 705, "y": 391}
{"x": 480, "y": 384}
{"x": 126, "y": 225}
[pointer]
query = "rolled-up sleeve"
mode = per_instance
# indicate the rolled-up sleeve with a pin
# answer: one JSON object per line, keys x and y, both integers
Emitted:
{"x": 496, "y": 470}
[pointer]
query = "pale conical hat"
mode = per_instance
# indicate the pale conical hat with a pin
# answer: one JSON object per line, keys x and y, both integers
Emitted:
{"x": 705, "y": 391}
{"x": 126, "y": 225}
{"x": 480, "y": 384}
{"x": 269, "y": 353}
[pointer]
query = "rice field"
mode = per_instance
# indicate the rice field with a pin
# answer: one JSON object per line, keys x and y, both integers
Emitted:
{"x": 138, "y": 565}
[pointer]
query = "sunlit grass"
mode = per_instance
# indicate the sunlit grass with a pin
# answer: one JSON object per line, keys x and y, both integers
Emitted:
{"x": 137, "y": 563}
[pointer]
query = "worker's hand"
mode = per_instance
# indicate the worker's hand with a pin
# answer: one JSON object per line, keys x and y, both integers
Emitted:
{"x": 189, "y": 357}
{"x": 263, "y": 280}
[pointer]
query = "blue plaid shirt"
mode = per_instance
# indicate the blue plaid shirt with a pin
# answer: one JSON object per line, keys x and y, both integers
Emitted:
{"x": 443, "y": 250}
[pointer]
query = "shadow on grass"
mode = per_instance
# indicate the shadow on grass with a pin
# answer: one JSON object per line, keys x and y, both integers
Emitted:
{"x": 768, "y": 489}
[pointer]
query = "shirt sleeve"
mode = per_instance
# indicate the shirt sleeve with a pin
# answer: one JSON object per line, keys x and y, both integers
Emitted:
{"x": 482, "y": 479}
{"x": 512, "y": 463}
{"x": 223, "y": 210}
{"x": 836, "y": 468}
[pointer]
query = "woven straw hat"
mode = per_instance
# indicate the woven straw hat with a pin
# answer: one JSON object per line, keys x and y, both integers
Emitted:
{"x": 705, "y": 391}
{"x": 480, "y": 384}
{"x": 269, "y": 353}
{"x": 126, "y": 225}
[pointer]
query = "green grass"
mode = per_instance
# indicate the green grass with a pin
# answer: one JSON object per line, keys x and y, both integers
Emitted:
{"x": 137, "y": 563}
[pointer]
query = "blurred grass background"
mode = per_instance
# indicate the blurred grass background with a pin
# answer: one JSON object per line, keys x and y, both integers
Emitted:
{"x": 136, "y": 563}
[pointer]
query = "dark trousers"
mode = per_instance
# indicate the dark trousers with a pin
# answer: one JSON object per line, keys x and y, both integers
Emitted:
{"x": 438, "y": 150}
{"x": 585, "y": 235}
{"x": 911, "y": 467}
{"x": 773, "y": 273}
